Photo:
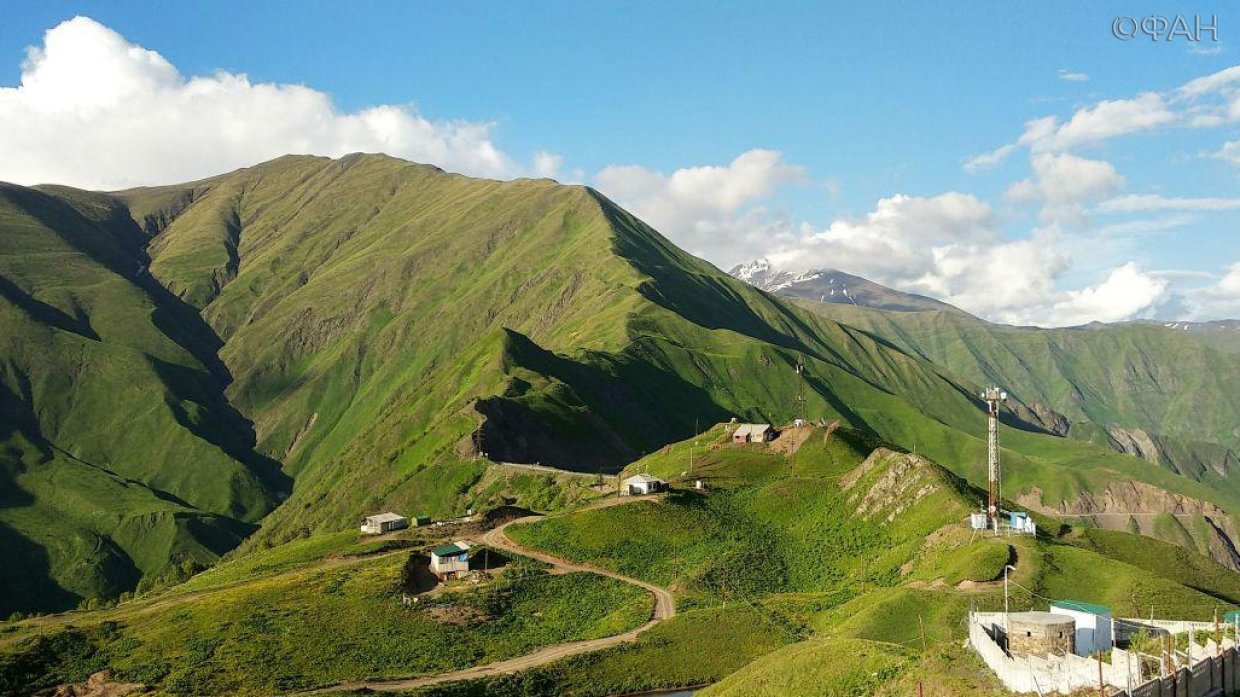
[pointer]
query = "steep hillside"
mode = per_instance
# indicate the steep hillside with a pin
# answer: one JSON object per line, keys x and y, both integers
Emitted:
{"x": 119, "y": 454}
{"x": 388, "y": 329}
{"x": 1156, "y": 392}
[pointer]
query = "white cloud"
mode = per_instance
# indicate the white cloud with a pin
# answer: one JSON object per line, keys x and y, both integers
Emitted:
{"x": 1221, "y": 299}
{"x": 1198, "y": 49}
{"x": 1230, "y": 152}
{"x": 1108, "y": 119}
{"x": 1144, "y": 203}
{"x": 1127, "y": 292}
{"x": 547, "y": 164}
{"x": 96, "y": 111}
{"x": 1063, "y": 183}
{"x": 1073, "y": 76}
{"x": 894, "y": 241}
{"x": 711, "y": 211}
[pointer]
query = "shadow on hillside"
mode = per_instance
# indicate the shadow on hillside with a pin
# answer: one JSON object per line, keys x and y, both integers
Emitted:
{"x": 595, "y": 414}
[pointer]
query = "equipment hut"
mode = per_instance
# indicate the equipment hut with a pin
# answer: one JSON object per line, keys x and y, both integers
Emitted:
{"x": 383, "y": 522}
{"x": 753, "y": 433}
{"x": 642, "y": 484}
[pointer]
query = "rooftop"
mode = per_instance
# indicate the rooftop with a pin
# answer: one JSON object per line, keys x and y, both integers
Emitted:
{"x": 642, "y": 478}
{"x": 1038, "y": 617}
{"x": 450, "y": 549}
{"x": 1079, "y": 606}
{"x": 384, "y": 517}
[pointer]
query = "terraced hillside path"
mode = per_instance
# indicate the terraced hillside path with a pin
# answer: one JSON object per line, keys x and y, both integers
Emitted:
{"x": 664, "y": 608}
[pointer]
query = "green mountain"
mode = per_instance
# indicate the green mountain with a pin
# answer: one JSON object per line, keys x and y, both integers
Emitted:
{"x": 378, "y": 332}
{"x": 1159, "y": 392}
{"x": 119, "y": 453}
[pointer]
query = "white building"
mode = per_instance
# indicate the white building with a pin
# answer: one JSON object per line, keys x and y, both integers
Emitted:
{"x": 1094, "y": 628}
{"x": 384, "y": 522}
{"x": 642, "y": 484}
{"x": 753, "y": 433}
{"x": 450, "y": 561}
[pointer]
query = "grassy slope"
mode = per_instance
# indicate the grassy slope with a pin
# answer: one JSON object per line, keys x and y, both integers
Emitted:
{"x": 321, "y": 626}
{"x": 902, "y": 580}
{"x": 1166, "y": 382}
{"x": 118, "y": 451}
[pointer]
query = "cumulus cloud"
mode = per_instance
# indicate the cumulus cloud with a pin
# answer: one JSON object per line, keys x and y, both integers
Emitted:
{"x": 950, "y": 247}
{"x": 1127, "y": 292}
{"x": 1215, "y": 300}
{"x": 1063, "y": 183}
{"x": 97, "y": 111}
{"x": 711, "y": 211}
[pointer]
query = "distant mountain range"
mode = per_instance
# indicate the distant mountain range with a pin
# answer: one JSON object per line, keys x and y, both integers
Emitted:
{"x": 833, "y": 286}
{"x": 1164, "y": 391}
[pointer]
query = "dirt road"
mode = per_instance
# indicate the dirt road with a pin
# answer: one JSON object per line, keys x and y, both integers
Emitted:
{"x": 664, "y": 608}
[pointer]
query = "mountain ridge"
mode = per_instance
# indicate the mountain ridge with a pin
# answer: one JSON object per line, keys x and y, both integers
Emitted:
{"x": 382, "y": 329}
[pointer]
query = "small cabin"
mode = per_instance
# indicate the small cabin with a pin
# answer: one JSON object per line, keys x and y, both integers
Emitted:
{"x": 753, "y": 433}
{"x": 1093, "y": 625}
{"x": 642, "y": 484}
{"x": 383, "y": 522}
{"x": 450, "y": 561}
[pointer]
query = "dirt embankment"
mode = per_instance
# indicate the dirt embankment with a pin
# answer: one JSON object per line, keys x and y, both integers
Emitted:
{"x": 1129, "y": 504}
{"x": 97, "y": 685}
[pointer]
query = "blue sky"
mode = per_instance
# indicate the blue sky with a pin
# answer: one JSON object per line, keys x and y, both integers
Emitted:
{"x": 862, "y": 116}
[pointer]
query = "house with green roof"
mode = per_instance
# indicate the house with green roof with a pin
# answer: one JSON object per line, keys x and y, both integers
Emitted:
{"x": 450, "y": 561}
{"x": 1095, "y": 630}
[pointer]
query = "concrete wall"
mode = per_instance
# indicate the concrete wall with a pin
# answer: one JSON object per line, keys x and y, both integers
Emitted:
{"x": 1214, "y": 671}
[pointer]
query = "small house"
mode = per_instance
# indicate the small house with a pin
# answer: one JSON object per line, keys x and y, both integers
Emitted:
{"x": 642, "y": 484}
{"x": 1093, "y": 625}
{"x": 450, "y": 561}
{"x": 753, "y": 433}
{"x": 383, "y": 522}
{"x": 422, "y": 520}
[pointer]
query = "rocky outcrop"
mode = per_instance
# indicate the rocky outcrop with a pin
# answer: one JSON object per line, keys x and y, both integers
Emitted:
{"x": 1134, "y": 442}
{"x": 907, "y": 480}
{"x": 1120, "y": 505}
{"x": 1048, "y": 419}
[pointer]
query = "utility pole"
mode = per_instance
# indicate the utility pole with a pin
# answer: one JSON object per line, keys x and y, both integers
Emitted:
{"x": 1102, "y": 687}
{"x": 993, "y": 396}
{"x": 921, "y": 626}
{"x": 691, "y": 447}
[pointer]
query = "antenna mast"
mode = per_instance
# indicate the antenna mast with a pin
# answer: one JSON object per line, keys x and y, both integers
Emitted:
{"x": 800, "y": 398}
{"x": 993, "y": 396}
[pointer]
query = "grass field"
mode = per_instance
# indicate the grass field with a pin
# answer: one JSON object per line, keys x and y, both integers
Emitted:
{"x": 320, "y": 627}
{"x": 698, "y": 647}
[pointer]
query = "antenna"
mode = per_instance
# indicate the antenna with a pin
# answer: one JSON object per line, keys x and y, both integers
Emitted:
{"x": 993, "y": 396}
{"x": 800, "y": 398}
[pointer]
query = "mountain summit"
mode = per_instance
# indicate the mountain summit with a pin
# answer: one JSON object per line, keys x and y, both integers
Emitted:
{"x": 834, "y": 286}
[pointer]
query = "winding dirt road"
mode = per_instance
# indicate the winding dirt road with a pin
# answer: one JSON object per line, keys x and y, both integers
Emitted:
{"x": 664, "y": 608}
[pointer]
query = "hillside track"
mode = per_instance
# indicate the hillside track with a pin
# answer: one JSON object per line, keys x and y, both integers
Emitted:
{"x": 664, "y": 608}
